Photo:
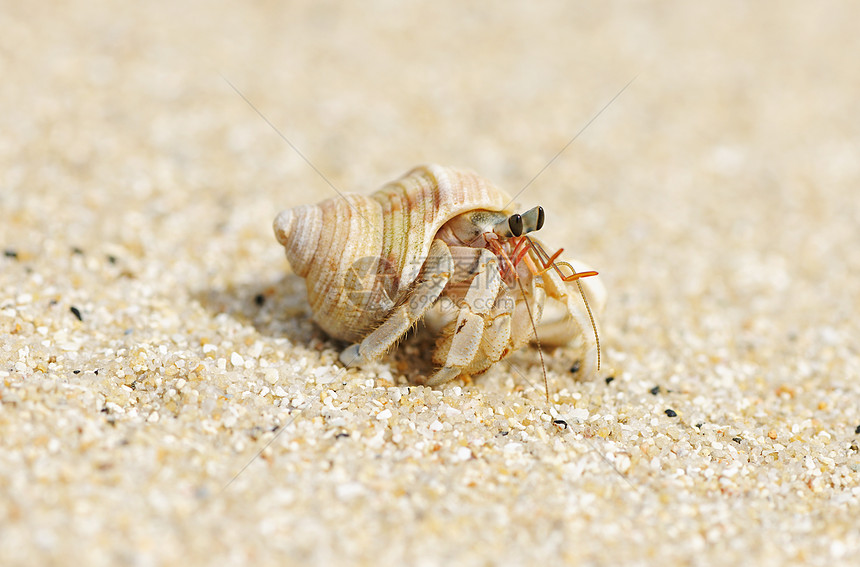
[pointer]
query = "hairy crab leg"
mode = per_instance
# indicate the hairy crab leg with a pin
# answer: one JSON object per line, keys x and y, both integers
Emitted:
{"x": 434, "y": 277}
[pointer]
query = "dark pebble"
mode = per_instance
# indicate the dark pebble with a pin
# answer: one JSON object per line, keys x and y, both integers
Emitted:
{"x": 575, "y": 368}
{"x": 259, "y": 299}
{"x": 76, "y": 312}
{"x": 10, "y": 254}
{"x": 737, "y": 439}
{"x": 857, "y": 431}
{"x": 671, "y": 413}
{"x": 655, "y": 390}
{"x": 609, "y": 379}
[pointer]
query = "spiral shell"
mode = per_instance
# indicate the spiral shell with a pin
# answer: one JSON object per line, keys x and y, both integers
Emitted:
{"x": 343, "y": 245}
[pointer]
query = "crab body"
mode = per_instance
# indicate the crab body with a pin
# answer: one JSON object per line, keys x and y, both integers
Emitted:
{"x": 438, "y": 241}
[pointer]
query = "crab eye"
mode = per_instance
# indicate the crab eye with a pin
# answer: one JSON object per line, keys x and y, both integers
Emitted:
{"x": 515, "y": 222}
{"x": 533, "y": 220}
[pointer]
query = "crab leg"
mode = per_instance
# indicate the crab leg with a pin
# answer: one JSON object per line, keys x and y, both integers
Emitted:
{"x": 434, "y": 277}
{"x": 468, "y": 330}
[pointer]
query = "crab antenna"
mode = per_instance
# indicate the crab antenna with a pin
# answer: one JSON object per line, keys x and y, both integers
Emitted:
{"x": 591, "y": 319}
{"x": 537, "y": 341}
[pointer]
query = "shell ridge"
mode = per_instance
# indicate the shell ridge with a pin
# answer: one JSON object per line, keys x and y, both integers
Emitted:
{"x": 298, "y": 230}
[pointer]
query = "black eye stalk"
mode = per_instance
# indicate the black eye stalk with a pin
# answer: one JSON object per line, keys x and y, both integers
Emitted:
{"x": 515, "y": 222}
{"x": 518, "y": 225}
{"x": 533, "y": 219}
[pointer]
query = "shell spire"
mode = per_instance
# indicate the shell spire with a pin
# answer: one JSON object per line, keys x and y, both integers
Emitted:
{"x": 298, "y": 230}
{"x": 339, "y": 268}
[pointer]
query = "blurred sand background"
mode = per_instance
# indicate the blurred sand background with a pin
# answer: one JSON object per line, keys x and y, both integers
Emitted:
{"x": 718, "y": 197}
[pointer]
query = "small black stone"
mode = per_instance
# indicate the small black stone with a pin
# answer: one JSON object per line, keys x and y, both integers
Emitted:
{"x": 76, "y": 312}
{"x": 96, "y": 372}
{"x": 341, "y": 435}
{"x": 655, "y": 390}
{"x": 671, "y": 413}
{"x": 737, "y": 439}
{"x": 560, "y": 422}
{"x": 76, "y": 371}
{"x": 699, "y": 425}
{"x": 857, "y": 431}
{"x": 9, "y": 253}
{"x": 76, "y": 250}
{"x": 575, "y": 367}
{"x": 259, "y": 299}
{"x": 111, "y": 258}
{"x": 609, "y": 379}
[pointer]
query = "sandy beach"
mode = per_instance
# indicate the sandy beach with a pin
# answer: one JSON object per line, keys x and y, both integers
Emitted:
{"x": 165, "y": 397}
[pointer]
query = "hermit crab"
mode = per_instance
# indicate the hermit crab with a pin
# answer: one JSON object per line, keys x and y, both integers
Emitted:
{"x": 439, "y": 243}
